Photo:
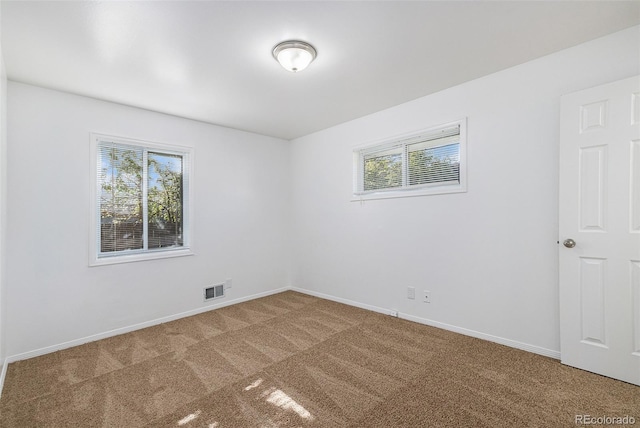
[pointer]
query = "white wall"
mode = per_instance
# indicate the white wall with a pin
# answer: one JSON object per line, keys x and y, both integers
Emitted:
{"x": 240, "y": 212}
{"x": 3, "y": 170}
{"x": 488, "y": 256}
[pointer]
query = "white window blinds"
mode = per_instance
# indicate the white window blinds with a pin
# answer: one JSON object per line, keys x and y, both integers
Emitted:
{"x": 120, "y": 198}
{"x": 141, "y": 198}
{"x": 426, "y": 160}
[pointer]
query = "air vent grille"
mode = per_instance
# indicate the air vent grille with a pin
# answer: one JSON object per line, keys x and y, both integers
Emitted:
{"x": 214, "y": 292}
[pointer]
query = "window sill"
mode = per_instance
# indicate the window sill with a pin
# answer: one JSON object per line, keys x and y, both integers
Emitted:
{"x": 111, "y": 260}
{"x": 408, "y": 193}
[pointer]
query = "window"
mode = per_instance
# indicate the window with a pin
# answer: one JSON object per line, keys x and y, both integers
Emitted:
{"x": 428, "y": 162}
{"x": 141, "y": 200}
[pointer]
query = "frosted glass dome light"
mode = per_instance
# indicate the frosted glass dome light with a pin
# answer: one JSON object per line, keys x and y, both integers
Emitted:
{"x": 294, "y": 55}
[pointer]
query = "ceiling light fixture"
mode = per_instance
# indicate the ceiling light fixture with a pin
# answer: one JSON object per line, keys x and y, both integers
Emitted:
{"x": 294, "y": 55}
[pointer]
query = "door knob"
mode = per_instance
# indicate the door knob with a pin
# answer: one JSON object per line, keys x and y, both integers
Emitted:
{"x": 569, "y": 243}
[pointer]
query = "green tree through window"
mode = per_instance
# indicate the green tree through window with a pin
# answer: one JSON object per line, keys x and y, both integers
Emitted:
{"x": 382, "y": 172}
{"x": 121, "y": 205}
{"x": 429, "y": 162}
{"x": 434, "y": 165}
{"x": 165, "y": 200}
{"x": 138, "y": 215}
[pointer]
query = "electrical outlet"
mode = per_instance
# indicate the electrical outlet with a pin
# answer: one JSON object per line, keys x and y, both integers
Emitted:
{"x": 427, "y": 296}
{"x": 228, "y": 283}
{"x": 411, "y": 293}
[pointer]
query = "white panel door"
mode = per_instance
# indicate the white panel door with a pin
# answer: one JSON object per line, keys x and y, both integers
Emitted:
{"x": 600, "y": 230}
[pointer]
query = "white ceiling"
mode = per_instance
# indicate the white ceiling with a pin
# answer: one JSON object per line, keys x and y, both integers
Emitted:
{"x": 211, "y": 60}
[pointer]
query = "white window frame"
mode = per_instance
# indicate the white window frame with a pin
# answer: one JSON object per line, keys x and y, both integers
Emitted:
{"x": 95, "y": 256}
{"x": 401, "y": 142}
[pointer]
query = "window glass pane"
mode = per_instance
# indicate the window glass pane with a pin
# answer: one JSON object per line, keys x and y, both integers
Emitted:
{"x": 431, "y": 161}
{"x": 165, "y": 200}
{"x": 382, "y": 171}
{"x": 434, "y": 165}
{"x": 120, "y": 181}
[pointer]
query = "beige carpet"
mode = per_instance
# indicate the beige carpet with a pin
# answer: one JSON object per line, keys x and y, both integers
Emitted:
{"x": 292, "y": 360}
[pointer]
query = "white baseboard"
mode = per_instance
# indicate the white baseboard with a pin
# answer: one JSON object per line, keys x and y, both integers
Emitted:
{"x": 5, "y": 364}
{"x": 345, "y": 301}
{"x": 467, "y": 332}
{"x": 485, "y": 336}
{"x": 128, "y": 329}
